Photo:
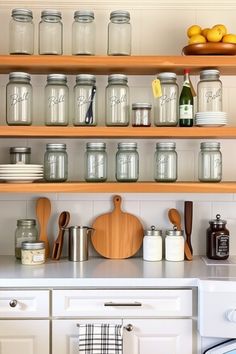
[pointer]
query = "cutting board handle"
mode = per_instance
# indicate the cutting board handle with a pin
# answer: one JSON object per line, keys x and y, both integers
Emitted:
{"x": 117, "y": 203}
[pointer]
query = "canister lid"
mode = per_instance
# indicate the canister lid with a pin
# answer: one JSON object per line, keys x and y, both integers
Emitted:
{"x": 174, "y": 232}
{"x": 127, "y": 145}
{"x": 86, "y": 78}
{"x": 55, "y": 146}
{"x": 141, "y": 105}
{"x": 118, "y": 78}
{"x": 51, "y": 12}
{"x": 19, "y": 75}
{"x": 96, "y": 145}
{"x": 165, "y": 145}
{"x": 167, "y": 75}
{"x": 153, "y": 232}
{"x": 56, "y": 77}
{"x": 15, "y": 149}
{"x": 210, "y": 145}
{"x": 209, "y": 72}
{"x": 34, "y": 245}
{"x": 217, "y": 221}
{"x": 26, "y": 222}
{"x": 84, "y": 13}
{"x": 120, "y": 13}
{"x": 22, "y": 12}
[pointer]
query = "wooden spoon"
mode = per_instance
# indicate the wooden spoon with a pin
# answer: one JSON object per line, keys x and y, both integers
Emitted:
{"x": 188, "y": 217}
{"x": 63, "y": 221}
{"x": 43, "y": 211}
{"x": 175, "y": 218}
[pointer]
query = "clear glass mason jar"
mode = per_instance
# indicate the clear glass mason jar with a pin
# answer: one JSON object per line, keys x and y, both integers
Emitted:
{"x": 33, "y": 253}
{"x": 19, "y": 95}
{"x": 96, "y": 162}
{"x": 165, "y": 162}
{"x": 127, "y": 162}
{"x": 20, "y": 155}
{"x": 209, "y": 91}
{"x": 166, "y": 106}
{"x": 21, "y": 32}
{"x": 55, "y": 163}
{"x": 51, "y": 33}
{"x": 119, "y": 33}
{"x": 210, "y": 162}
{"x": 85, "y": 100}
{"x": 141, "y": 116}
{"x": 26, "y": 231}
{"x": 56, "y": 100}
{"x": 83, "y": 33}
{"x": 117, "y": 100}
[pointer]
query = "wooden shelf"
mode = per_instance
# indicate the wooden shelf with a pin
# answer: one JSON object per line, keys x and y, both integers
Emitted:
{"x": 224, "y": 132}
{"x": 104, "y": 65}
{"x": 115, "y": 187}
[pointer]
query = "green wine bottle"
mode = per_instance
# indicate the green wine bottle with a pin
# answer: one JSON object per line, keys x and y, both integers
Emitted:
{"x": 186, "y": 103}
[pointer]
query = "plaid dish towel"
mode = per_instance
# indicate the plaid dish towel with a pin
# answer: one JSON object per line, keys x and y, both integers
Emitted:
{"x": 100, "y": 339}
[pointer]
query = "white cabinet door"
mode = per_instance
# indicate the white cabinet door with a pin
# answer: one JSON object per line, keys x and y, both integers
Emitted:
{"x": 24, "y": 336}
{"x": 158, "y": 336}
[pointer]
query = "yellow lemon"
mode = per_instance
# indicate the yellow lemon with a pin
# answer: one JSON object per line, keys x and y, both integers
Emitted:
{"x": 229, "y": 38}
{"x": 214, "y": 35}
{"x": 198, "y": 38}
{"x": 204, "y": 32}
{"x": 222, "y": 28}
{"x": 193, "y": 30}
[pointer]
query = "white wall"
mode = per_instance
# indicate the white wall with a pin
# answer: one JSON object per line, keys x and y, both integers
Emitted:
{"x": 158, "y": 29}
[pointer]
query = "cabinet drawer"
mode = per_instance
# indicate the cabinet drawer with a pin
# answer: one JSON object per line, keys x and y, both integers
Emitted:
{"x": 22, "y": 303}
{"x": 122, "y": 303}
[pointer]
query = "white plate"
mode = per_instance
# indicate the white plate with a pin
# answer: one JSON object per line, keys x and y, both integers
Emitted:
{"x": 212, "y": 112}
{"x": 209, "y": 125}
{"x": 20, "y": 179}
{"x": 29, "y": 175}
{"x": 20, "y": 165}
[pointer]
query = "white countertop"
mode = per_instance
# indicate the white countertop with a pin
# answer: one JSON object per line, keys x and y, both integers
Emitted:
{"x": 101, "y": 272}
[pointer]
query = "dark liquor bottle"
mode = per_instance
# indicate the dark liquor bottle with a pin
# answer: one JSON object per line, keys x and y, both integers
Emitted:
{"x": 186, "y": 103}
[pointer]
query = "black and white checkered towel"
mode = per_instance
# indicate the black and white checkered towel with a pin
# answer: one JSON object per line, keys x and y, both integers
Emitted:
{"x": 100, "y": 338}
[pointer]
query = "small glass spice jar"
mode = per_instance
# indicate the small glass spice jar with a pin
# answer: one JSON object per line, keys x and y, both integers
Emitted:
{"x": 127, "y": 162}
{"x": 51, "y": 33}
{"x": 117, "y": 100}
{"x": 85, "y": 100}
{"x": 217, "y": 239}
{"x": 119, "y": 33}
{"x": 56, "y": 100}
{"x": 165, "y": 162}
{"x": 166, "y": 106}
{"x": 152, "y": 245}
{"x": 19, "y": 99}
{"x": 209, "y": 91}
{"x": 21, "y": 32}
{"x": 210, "y": 162}
{"x": 33, "y": 253}
{"x": 55, "y": 163}
{"x": 83, "y": 33}
{"x": 141, "y": 114}
{"x": 96, "y": 162}
{"x": 20, "y": 155}
{"x": 26, "y": 231}
{"x": 174, "y": 245}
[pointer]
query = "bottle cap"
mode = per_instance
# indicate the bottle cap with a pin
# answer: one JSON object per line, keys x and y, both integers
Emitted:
{"x": 217, "y": 221}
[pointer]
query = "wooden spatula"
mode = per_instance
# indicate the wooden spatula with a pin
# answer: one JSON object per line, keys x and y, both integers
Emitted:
{"x": 43, "y": 211}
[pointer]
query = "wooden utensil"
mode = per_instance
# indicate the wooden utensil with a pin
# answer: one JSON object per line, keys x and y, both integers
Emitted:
{"x": 188, "y": 217}
{"x": 43, "y": 211}
{"x": 175, "y": 218}
{"x": 63, "y": 221}
{"x": 117, "y": 234}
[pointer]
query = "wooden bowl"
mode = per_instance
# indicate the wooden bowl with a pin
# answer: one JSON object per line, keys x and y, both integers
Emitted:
{"x": 210, "y": 49}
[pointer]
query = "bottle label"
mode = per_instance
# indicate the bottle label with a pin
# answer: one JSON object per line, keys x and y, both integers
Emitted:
{"x": 186, "y": 111}
{"x": 156, "y": 88}
{"x": 222, "y": 245}
{"x": 186, "y": 84}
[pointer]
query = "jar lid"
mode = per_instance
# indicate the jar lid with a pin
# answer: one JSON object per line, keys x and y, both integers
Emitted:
{"x": 22, "y": 12}
{"x": 87, "y": 78}
{"x": 165, "y": 145}
{"x": 34, "y": 245}
{"x": 56, "y": 77}
{"x": 51, "y": 12}
{"x": 120, "y": 78}
{"x": 167, "y": 75}
{"x": 174, "y": 232}
{"x": 209, "y": 72}
{"x": 153, "y": 232}
{"x": 217, "y": 221}
{"x": 15, "y": 149}
{"x": 127, "y": 145}
{"x": 19, "y": 75}
{"x": 84, "y": 13}
{"x": 119, "y": 13}
{"x": 141, "y": 105}
{"x": 55, "y": 146}
{"x": 210, "y": 144}
{"x": 96, "y": 145}
{"x": 26, "y": 222}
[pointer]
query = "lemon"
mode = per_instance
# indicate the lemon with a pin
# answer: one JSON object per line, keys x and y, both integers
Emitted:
{"x": 222, "y": 28}
{"x": 193, "y": 30}
{"x": 198, "y": 38}
{"x": 204, "y": 32}
{"x": 229, "y": 38}
{"x": 214, "y": 35}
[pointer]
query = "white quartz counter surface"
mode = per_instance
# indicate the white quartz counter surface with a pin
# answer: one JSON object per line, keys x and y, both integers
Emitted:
{"x": 100, "y": 272}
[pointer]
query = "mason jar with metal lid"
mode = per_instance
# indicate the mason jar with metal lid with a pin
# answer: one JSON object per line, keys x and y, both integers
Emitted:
{"x": 33, "y": 253}
{"x": 210, "y": 162}
{"x": 50, "y": 32}
{"x": 26, "y": 231}
{"x": 85, "y": 100}
{"x": 141, "y": 114}
{"x": 174, "y": 245}
{"x": 83, "y": 33}
{"x": 19, "y": 95}
{"x": 165, "y": 162}
{"x": 166, "y": 106}
{"x": 152, "y": 245}
{"x": 217, "y": 239}
{"x": 55, "y": 163}
{"x": 117, "y": 100}
{"x": 209, "y": 91}
{"x": 127, "y": 162}
{"x": 21, "y": 32}
{"x": 20, "y": 155}
{"x": 96, "y": 162}
{"x": 56, "y": 100}
{"x": 119, "y": 33}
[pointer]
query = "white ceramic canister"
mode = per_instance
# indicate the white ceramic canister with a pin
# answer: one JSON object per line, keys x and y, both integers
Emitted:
{"x": 174, "y": 245}
{"x": 152, "y": 245}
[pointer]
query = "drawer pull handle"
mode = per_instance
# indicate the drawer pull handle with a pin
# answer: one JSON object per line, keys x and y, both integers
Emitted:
{"x": 13, "y": 303}
{"x": 231, "y": 315}
{"x": 122, "y": 304}
{"x": 129, "y": 327}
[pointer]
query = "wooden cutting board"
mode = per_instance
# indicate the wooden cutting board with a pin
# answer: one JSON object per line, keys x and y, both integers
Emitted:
{"x": 117, "y": 234}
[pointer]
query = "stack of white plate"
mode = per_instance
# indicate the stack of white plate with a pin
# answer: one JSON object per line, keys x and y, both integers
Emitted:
{"x": 213, "y": 119}
{"x": 21, "y": 173}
